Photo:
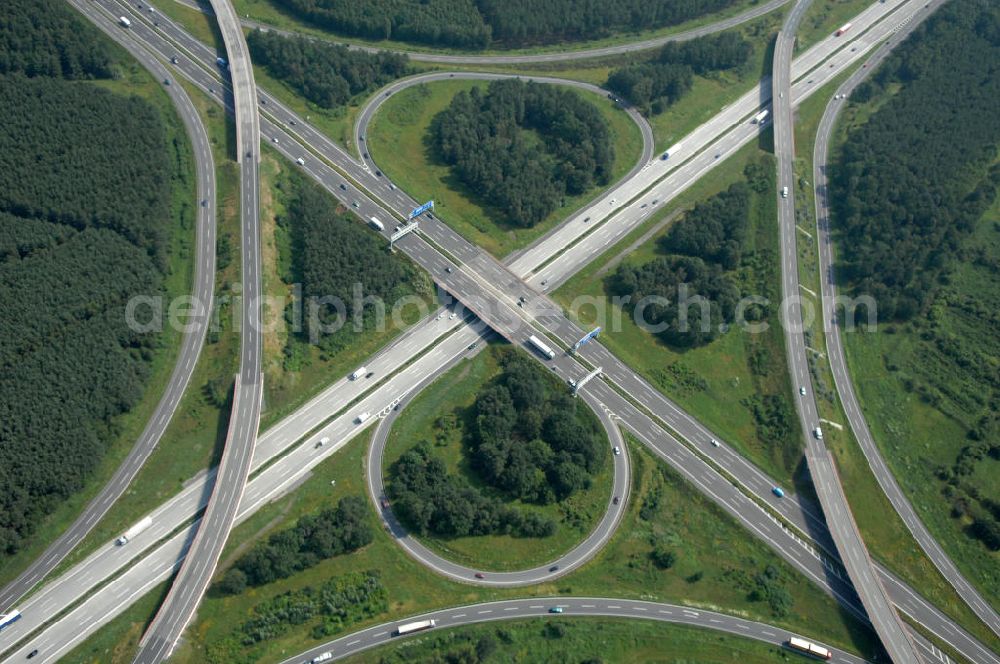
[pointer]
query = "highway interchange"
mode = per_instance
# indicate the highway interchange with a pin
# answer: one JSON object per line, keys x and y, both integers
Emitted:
{"x": 467, "y": 287}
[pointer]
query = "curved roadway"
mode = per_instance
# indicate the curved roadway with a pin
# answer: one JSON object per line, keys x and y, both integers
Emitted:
{"x": 564, "y": 564}
{"x": 835, "y": 349}
{"x": 583, "y": 54}
{"x": 192, "y": 341}
{"x": 199, "y": 564}
{"x": 538, "y": 607}
{"x": 368, "y": 111}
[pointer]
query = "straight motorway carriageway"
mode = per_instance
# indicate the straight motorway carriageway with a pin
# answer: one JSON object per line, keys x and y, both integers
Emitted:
{"x": 199, "y": 565}
{"x": 373, "y": 409}
{"x": 835, "y": 349}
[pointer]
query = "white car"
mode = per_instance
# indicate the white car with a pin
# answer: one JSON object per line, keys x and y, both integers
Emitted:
{"x": 452, "y": 317}
{"x": 715, "y": 443}
{"x": 818, "y": 433}
{"x": 618, "y": 450}
{"x": 802, "y": 390}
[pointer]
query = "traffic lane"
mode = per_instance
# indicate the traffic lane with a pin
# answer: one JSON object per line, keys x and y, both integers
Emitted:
{"x": 195, "y": 573}
{"x": 571, "y": 607}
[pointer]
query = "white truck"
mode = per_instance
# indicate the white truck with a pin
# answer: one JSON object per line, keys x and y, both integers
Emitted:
{"x": 760, "y": 117}
{"x": 362, "y": 418}
{"x": 358, "y": 373}
{"x": 376, "y": 224}
{"x": 325, "y": 657}
{"x": 132, "y": 532}
{"x": 124, "y": 21}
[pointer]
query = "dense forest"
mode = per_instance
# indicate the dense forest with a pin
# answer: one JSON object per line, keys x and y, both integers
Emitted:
{"x": 912, "y": 181}
{"x": 85, "y": 200}
{"x": 525, "y": 439}
{"x": 333, "y": 256}
{"x": 331, "y": 532}
{"x": 910, "y": 189}
{"x": 655, "y": 85}
{"x": 430, "y": 500}
{"x": 329, "y": 75}
{"x": 524, "y": 146}
{"x": 37, "y": 40}
{"x": 701, "y": 250}
{"x": 478, "y": 24}
{"x": 533, "y": 442}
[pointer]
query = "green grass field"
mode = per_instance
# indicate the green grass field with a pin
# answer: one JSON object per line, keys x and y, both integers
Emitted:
{"x": 704, "y": 538}
{"x": 398, "y": 141}
{"x": 455, "y": 393}
{"x": 556, "y": 640}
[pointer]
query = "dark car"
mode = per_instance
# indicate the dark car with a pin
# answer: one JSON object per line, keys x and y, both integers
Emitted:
{"x": 343, "y": 186}
{"x": 385, "y": 503}
{"x": 615, "y": 501}
{"x": 480, "y": 575}
{"x": 369, "y": 374}
{"x": 32, "y": 653}
{"x": 554, "y": 568}
{"x": 204, "y": 202}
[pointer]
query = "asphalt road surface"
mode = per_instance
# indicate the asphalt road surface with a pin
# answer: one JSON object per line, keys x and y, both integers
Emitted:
{"x": 582, "y": 54}
{"x": 363, "y": 119}
{"x": 192, "y": 340}
{"x": 441, "y": 565}
{"x": 572, "y": 607}
{"x": 835, "y": 349}
{"x": 199, "y": 564}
